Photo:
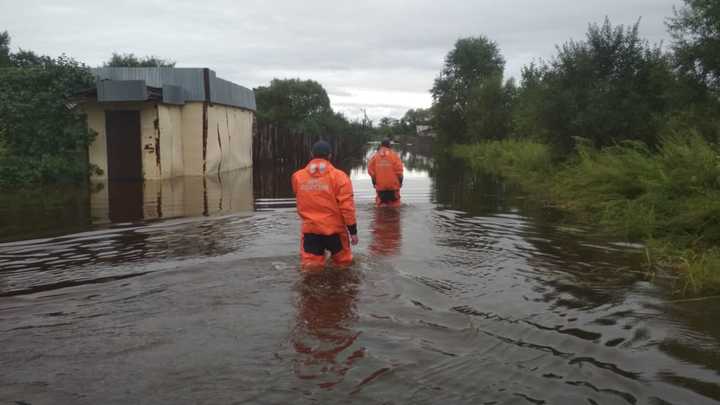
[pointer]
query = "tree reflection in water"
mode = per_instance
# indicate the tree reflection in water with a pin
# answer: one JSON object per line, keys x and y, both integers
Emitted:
{"x": 386, "y": 232}
{"x": 323, "y": 336}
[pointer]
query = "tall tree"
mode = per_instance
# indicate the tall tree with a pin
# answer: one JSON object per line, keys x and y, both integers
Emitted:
{"x": 415, "y": 117}
{"x": 490, "y": 108}
{"x": 130, "y": 60}
{"x": 4, "y": 49}
{"x": 696, "y": 32}
{"x": 302, "y": 105}
{"x": 612, "y": 86}
{"x": 474, "y": 63}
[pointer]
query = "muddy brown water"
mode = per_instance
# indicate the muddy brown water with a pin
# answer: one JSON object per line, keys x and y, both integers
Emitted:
{"x": 188, "y": 292}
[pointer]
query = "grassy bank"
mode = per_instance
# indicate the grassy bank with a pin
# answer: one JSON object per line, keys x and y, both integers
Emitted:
{"x": 668, "y": 198}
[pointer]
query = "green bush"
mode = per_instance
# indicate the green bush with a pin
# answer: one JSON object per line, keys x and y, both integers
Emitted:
{"x": 520, "y": 160}
{"x": 669, "y": 198}
{"x": 43, "y": 138}
{"x": 613, "y": 86}
{"x": 671, "y": 193}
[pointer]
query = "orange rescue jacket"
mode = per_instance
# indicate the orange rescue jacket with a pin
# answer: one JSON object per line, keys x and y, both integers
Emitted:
{"x": 324, "y": 197}
{"x": 386, "y": 169}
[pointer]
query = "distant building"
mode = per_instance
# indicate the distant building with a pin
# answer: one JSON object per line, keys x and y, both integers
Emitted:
{"x": 424, "y": 131}
{"x": 159, "y": 123}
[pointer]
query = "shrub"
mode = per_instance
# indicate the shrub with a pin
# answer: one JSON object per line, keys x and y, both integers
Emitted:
{"x": 43, "y": 137}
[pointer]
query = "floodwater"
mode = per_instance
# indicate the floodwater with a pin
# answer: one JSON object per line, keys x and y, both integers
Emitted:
{"x": 189, "y": 292}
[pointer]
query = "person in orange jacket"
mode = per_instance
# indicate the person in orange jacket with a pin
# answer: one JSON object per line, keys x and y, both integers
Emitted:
{"x": 325, "y": 204}
{"x": 386, "y": 171}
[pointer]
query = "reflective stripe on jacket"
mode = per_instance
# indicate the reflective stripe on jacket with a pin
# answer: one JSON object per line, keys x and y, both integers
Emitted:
{"x": 324, "y": 198}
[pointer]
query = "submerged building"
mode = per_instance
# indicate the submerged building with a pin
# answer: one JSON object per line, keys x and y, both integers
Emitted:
{"x": 160, "y": 123}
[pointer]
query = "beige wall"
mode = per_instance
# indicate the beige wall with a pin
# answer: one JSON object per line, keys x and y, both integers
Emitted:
{"x": 97, "y": 150}
{"x": 229, "y": 142}
{"x": 177, "y": 131}
{"x": 148, "y": 136}
{"x": 162, "y": 148}
{"x": 192, "y": 138}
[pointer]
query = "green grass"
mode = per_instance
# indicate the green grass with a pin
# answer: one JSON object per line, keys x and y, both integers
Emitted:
{"x": 524, "y": 162}
{"x": 669, "y": 198}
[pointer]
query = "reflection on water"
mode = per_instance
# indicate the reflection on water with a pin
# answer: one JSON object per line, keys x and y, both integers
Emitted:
{"x": 324, "y": 332}
{"x": 51, "y": 210}
{"x": 128, "y": 201}
{"x": 470, "y": 293}
{"x": 65, "y": 209}
{"x": 386, "y": 234}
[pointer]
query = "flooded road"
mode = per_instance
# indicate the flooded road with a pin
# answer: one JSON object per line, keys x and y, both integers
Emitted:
{"x": 470, "y": 293}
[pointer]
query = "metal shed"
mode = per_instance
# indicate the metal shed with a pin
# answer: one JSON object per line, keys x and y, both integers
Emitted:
{"x": 156, "y": 123}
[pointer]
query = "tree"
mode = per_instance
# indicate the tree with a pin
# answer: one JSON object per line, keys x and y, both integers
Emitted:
{"x": 4, "y": 49}
{"x": 42, "y": 138}
{"x": 302, "y": 105}
{"x": 696, "y": 32}
{"x": 489, "y": 110}
{"x": 389, "y": 126}
{"x": 130, "y": 60}
{"x": 611, "y": 87}
{"x": 415, "y": 117}
{"x": 528, "y": 106}
{"x": 474, "y": 64}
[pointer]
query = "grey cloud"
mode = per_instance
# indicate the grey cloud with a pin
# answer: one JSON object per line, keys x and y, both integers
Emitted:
{"x": 382, "y": 46}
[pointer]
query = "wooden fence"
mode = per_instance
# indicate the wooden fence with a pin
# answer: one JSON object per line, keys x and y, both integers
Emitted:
{"x": 276, "y": 145}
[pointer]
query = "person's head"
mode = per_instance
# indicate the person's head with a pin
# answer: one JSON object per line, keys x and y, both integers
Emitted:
{"x": 386, "y": 142}
{"x": 321, "y": 150}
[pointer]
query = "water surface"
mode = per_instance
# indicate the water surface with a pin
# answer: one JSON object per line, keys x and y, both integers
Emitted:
{"x": 470, "y": 293}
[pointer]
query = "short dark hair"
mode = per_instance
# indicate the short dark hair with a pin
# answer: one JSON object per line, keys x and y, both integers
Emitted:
{"x": 386, "y": 142}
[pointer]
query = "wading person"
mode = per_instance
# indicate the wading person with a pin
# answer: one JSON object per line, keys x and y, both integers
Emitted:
{"x": 386, "y": 171}
{"x": 325, "y": 204}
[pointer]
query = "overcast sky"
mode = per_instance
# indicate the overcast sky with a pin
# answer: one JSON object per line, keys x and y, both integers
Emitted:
{"x": 372, "y": 54}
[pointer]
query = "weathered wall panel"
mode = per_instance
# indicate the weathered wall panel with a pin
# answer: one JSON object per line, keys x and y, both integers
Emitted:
{"x": 149, "y": 139}
{"x": 170, "y": 141}
{"x": 192, "y": 139}
{"x": 229, "y": 142}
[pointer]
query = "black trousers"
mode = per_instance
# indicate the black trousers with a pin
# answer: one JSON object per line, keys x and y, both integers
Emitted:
{"x": 317, "y": 244}
{"x": 387, "y": 196}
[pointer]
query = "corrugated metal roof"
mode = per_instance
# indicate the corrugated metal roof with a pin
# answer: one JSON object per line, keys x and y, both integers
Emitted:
{"x": 225, "y": 92}
{"x": 190, "y": 80}
{"x": 173, "y": 94}
{"x": 128, "y": 90}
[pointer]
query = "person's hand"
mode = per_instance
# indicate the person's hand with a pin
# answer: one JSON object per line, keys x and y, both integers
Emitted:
{"x": 354, "y": 239}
